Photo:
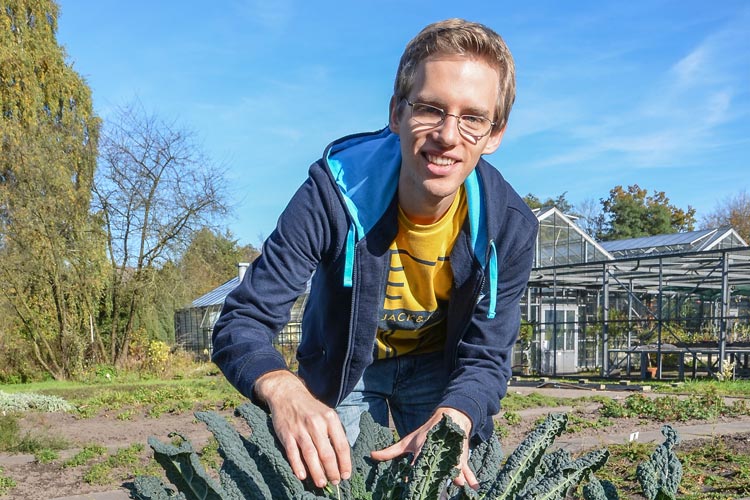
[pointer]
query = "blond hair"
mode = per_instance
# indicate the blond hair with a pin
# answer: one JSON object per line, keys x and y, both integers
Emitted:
{"x": 460, "y": 37}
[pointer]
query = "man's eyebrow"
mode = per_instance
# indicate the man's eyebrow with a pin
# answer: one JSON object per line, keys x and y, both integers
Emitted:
{"x": 472, "y": 110}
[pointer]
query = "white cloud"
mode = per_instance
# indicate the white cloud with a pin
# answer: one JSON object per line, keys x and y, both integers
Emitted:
{"x": 271, "y": 16}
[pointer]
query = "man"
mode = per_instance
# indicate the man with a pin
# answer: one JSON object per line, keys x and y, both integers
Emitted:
{"x": 420, "y": 251}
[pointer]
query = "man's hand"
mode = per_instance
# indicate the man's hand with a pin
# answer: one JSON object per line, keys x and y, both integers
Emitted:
{"x": 412, "y": 443}
{"x": 310, "y": 431}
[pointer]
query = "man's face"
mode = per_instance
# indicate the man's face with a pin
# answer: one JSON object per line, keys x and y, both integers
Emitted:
{"x": 437, "y": 159}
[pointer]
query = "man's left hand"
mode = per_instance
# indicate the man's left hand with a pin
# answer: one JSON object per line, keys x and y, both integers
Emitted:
{"x": 412, "y": 443}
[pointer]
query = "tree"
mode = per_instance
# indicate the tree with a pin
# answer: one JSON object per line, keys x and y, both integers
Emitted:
{"x": 733, "y": 211}
{"x": 561, "y": 202}
{"x": 590, "y": 217}
{"x": 634, "y": 213}
{"x": 154, "y": 188}
{"x": 51, "y": 248}
{"x": 211, "y": 259}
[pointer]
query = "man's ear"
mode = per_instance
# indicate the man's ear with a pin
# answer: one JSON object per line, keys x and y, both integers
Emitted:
{"x": 393, "y": 115}
{"x": 496, "y": 137}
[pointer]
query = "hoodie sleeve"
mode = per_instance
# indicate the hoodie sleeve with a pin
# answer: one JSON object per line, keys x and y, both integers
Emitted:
{"x": 483, "y": 364}
{"x": 257, "y": 310}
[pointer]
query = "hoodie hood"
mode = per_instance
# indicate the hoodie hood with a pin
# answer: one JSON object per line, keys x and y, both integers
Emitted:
{"x": 365, "y": 168}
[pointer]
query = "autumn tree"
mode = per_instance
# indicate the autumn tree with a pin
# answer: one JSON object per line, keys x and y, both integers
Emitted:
{"x": 153, "y": 189}
{"x": 560, "y": 202}
{"x": 733, "y": 211}
{"x": 51, "y": 249}
{"x": 211, "y": 259}
{"x": 634, "y": 213}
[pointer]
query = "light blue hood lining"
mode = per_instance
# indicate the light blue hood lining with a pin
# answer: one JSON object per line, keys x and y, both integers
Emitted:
{"x": 366, "y": 169}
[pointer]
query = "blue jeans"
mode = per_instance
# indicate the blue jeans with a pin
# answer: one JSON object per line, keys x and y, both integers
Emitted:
{"x": 409, "y": 386}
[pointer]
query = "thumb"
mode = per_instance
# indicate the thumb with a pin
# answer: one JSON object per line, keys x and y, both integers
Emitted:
{"x": 391, "y": 452}
{"x": 470, "y": 478}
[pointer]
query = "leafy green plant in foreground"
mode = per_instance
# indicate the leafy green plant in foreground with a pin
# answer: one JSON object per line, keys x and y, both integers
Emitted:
{"x": 6, "y": 483}
{"x": 254, "y": 466}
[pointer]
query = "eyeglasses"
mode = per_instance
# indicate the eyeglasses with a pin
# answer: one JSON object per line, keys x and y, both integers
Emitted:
{"x": 431, "y": 116}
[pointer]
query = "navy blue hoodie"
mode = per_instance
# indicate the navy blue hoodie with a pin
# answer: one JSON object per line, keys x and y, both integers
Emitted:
{"x": 338, "y": 228}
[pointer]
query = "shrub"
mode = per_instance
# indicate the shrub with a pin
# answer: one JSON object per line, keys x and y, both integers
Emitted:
{"x": 20, "y": 401}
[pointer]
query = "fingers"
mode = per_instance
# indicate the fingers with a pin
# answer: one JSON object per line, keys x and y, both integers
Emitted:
{"x": 341, "y": 448}
{"x": 316, "y": 446}
{"x": 471, "y": 478}
{"x": 393, "y": 451}
{"x": 330, "y": 457}
{"x": 311, "y": 432}
{"x": 294, "y": 458}
{"x": 466, "y": 476}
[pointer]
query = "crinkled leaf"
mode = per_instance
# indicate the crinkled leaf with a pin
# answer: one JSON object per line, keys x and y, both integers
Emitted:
{"x": 522, "y": 463}
{"x": 389, "y": 482}
{"x": 152, "y": 488}
{"x": 600, "y": 490}
{"x": 555, "y": 485}
{"x": 661, "y": 474}
{"x": 266, "y": 450}
{"x": 372, "y": 436}
{"x": 437, "y": 461}
{"x": 484, "y": 461}
{"x": 240, "y": 467}
{"x": 555, "y": 461}
{"x": 184, "y": 470}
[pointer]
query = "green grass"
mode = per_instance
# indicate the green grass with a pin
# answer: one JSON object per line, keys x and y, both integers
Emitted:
{"x": 517, "y": 402}
{"x": 6, "y": 483}
{"x": 86, "y": 455}
{"x": 112, "y": 467}
{"x": 734, "y": 388}
{"x": 669, "y": 408}
{"x": 711, "y": 469}
{"x": 46, "y": 456}
{"x": 157, "y": 397}
{"x": 12, "y": 441}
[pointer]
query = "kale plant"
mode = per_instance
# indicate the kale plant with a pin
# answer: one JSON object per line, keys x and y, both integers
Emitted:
{"x": 254, "y": 467}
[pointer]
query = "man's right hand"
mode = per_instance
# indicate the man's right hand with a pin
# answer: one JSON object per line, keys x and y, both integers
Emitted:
{"x": 310, "y": 431}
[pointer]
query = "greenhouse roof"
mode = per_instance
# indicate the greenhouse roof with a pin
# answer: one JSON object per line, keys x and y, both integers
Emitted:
{"x": 561, "y": 241}
{"x": 695, "y": 241}
{"x": 689, "y": 272}
{"x": 216, "y": 296}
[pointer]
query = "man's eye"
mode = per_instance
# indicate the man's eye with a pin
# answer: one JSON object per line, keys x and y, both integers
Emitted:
{"x": 429, "y": 111}
{"x": 472, "y": 120}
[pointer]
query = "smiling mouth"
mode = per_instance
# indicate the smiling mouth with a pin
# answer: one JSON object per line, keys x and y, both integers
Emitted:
{"x": 440, "y": 161}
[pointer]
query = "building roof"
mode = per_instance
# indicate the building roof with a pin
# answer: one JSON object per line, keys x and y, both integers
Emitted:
{"x": 216, "y": 296}
{"x": 561, "y": 241}
{"x": 693, "y": 241}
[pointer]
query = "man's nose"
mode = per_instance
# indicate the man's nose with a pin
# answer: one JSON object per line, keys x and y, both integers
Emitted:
{"x": 448, "y": 132}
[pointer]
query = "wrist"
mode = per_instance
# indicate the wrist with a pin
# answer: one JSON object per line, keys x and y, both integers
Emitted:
{"x": 460, "y": 418}
{"x": 276, "y": 383}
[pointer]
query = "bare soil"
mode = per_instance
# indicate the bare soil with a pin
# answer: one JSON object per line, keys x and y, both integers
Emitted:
{"x": 36, "y": 481}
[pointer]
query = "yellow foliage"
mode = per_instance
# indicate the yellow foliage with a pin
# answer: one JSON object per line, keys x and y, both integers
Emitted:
{"x": 158, "y": 355}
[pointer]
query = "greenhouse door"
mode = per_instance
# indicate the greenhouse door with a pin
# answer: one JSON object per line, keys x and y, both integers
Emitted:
{"x": 560, "y": 340}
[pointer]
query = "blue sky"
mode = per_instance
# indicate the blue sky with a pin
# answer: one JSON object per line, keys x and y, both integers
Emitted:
{"x": 609, "y": 93}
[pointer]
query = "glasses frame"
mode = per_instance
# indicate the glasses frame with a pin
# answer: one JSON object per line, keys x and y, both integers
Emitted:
{"x": 458, "y": 118}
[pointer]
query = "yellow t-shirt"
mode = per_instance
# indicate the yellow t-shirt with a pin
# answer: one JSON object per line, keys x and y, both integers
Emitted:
{"x": 412, "y": 320}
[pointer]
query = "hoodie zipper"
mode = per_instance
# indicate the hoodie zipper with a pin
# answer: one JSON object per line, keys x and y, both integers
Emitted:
{"x": 350, "y": 343}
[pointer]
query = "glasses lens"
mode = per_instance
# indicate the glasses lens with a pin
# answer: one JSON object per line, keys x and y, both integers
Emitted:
{"x": 475, "y": 125}
{"x": 426, "y": 114}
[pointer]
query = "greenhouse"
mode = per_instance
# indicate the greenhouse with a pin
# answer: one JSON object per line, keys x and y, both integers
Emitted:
{"x": 194, "y": 325}
{"x": 667, "y": 306}
{"x": 664, "y": 306}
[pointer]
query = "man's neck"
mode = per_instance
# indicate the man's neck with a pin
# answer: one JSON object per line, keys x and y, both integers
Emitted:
{"x": 424, "y": 213}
